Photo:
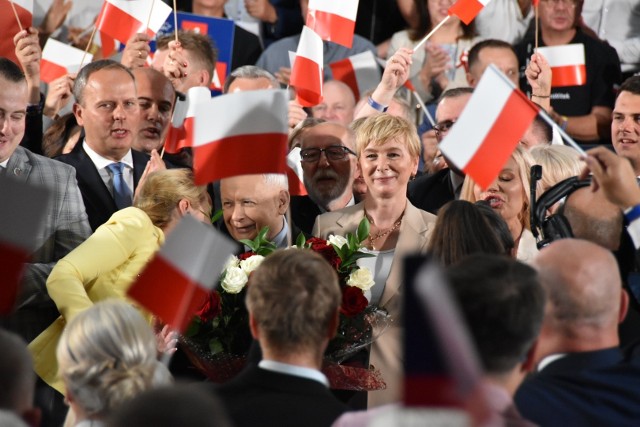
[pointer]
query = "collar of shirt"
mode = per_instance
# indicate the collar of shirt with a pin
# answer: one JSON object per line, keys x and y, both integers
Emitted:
{"x": 297, "y": 371}
{"x": 5, "y": 163}
{"x": 102, "y": 162}
{"x": 549, "y": 359}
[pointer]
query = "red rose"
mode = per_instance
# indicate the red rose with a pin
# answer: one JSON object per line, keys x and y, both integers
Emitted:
{"x": 353, "y": 301}
{"x": 245, "y": 255}
{"x": 211, "y": 307}
{"x": 327, "y": 251}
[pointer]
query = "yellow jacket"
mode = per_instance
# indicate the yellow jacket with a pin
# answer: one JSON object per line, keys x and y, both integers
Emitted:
{"x": 100, "y": 268}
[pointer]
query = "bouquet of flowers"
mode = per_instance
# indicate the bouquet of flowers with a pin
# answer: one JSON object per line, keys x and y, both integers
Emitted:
{"x": 220, "y": 330}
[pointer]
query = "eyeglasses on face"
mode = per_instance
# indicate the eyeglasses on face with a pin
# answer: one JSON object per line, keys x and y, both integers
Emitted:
{"x": 444, "y": 126}
{"x": 334, "y": 152}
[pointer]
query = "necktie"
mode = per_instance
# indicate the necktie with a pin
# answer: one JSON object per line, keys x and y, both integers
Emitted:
{"x": 121, "y": 191}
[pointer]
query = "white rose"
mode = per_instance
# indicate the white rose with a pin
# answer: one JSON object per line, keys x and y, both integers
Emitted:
{"x": 361, "y": 278}
{"x": 233, "y": 261}
{"x": 251, "y": 263}
{"x": 234, "y": 280}
{"x": 337, "y": 241}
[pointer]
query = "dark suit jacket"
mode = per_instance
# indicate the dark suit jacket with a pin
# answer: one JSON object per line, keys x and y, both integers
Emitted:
{"x": 597, "y": 388}
{"x": 430, "y": 192}
{"x": 304, "y": 212}
{"x": 258, "y": 397}
{"x": 97, "y": 198}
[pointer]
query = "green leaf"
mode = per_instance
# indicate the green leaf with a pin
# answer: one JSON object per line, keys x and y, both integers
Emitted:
{"x": 353, "y": 243}
{"x": 215, "y": 346}
{"x": 363, "y": 231}
{"x": 216, "y": 216}
{"x": 340, "y": 251}
{"x": 301, "y": 240}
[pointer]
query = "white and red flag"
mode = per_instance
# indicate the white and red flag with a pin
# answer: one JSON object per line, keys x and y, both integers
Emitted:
{"x": 467, "y": 10}
{"x": 21, "y": 222}
{"x": 10, "y": 27}
{"x": 180, "y": 276}
{"x": 360, "y": 72}
{"x": 241, "y": 133}
{"x": 180, "y": 133}
{"x": 333, "y": 20}
{"x": 59, "y": 59}
{"x": 121, "y": 19}
{"x": 306, "y": 73}
{"x": 567, "y": 64}
{"x": 295, "y": 174}
{"x": 489, "y": 128}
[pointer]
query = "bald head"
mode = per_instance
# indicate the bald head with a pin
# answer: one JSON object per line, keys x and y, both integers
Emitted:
{"x": 585, "y": 297}
{"x": 338, "y": 104}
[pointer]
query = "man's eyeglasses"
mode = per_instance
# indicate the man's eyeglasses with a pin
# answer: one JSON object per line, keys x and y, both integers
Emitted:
{"x": 334, "y": 152}
{"x": 443, "y": 127}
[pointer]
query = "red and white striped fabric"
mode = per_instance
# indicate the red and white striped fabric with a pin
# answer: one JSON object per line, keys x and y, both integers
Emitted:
{"x": 59, "y": 59}
{"x": 567, "y": 64}
{"x": 306, "y": 73}
{"x": 295, "y": 174}
{"x": 360, "y": 72}
{"x": 333, "y": 20}
{"x": 121, "y": 19}
{"x": 180, "y": 133}
{"x": 21, "y": 224}
{"x": 177, "y": 280}
{"x": 240, "y": 134}
{"x": 467, "y": 10}
{"x": 10, "y": 27}
{"x": 489, "y": 128}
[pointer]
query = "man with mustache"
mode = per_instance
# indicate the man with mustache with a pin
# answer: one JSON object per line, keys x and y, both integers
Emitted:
{"x": 329, "y": 166}
{"x": 107, "y": 169}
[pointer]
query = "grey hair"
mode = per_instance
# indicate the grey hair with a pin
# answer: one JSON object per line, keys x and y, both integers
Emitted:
{"x": 107, "y": 355}
{"x": 250, "y": 72}
{"x": 276, "y": 180}
{"x": 83, "y": 75}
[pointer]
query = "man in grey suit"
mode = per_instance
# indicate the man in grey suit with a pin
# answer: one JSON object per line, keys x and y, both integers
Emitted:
{"x": 66, "y": 224}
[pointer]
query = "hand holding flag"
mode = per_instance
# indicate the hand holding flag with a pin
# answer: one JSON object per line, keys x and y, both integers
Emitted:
{"x": 18, "y": 16}
{"x": 567, "y": 64}
{"x": 121, "y": 19}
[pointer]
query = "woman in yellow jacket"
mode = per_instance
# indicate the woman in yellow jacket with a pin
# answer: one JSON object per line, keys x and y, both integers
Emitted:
{"x": 107, "y": 263}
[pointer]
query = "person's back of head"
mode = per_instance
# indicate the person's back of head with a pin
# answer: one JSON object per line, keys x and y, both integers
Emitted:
{"x": 17, "y": 378}
{"x": 503, "y": 303}
{"x": 499, "y": 226}
{"x": 173, "y": 406}
{"x": 558, "y": 162}
{"x": 293, "y": 299}
{"x": 461, "y": 230}
{"x": 586, "y": 301}
{"x": 107, "y": 354}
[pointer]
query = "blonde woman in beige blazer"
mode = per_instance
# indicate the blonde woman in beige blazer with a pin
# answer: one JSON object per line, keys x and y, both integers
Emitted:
{"x": 388, "y": 149}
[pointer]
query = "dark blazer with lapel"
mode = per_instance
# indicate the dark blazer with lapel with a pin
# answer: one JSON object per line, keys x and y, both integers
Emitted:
{"x": 596, "y": 388}
{"x": 415, "y": 232}
{"x": 97, "y": 198}
{"x": 304, "y": 212}
{"x": 431, "y": 192}
{"x": 259, "y": 397}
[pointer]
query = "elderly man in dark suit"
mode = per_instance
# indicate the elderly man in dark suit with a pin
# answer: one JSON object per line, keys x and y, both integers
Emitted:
{"x": 293, "y": 301}
{"x": 583, "y": 378}
{"x": 108, "y": 170}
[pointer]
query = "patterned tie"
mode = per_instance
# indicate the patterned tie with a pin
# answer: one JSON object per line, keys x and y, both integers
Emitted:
{"x": 121, "y": 191}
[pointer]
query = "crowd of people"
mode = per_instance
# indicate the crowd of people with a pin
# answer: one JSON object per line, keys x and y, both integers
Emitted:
{"x": 550, "y": 295}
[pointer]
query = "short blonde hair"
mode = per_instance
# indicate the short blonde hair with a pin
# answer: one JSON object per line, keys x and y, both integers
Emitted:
{"x": 163, "y": 190}
{"x": 107, "y": 354}
{"x": 523, "y": 162}
{"x": 379, "y": 129}
{"x": 558, "y": 162}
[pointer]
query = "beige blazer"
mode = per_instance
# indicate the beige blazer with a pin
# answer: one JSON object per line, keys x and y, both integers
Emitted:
{"x": 415, "y": 232}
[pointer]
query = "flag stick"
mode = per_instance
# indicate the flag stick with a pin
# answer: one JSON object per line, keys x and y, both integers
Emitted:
{"x": 150, "y": 13}
{"x": 537, "y": 19}
{"x": 562, "y": 133}
{"x": 15, "y": 12}
{"x": 175, "y": 19}
{"x": 431, "y": 33}
{"x": 424, "y": 108}
{"x": 86, "y": 49}
{"x": 162, "y": 152}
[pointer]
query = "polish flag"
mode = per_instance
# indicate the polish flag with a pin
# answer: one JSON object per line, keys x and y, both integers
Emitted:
{"x": 360, "y": 72}
{"x": 59, "y": 59}
{"x": 21, "y": 225}
{"x": 180, "y": 276}
{"x": 121, "y": 19}
{"x": 251, "y": 139}
{"x": 10, "y": 27}
{"x": 467, "y": 10}
{"x": 489, "y": 128}
{"x": 567, "y": 64}
{"x": 333, "y": 20}
{"x": 306, "y": 73}
{"x": 295, "y": 175}
{"x": 180, "y": 133}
